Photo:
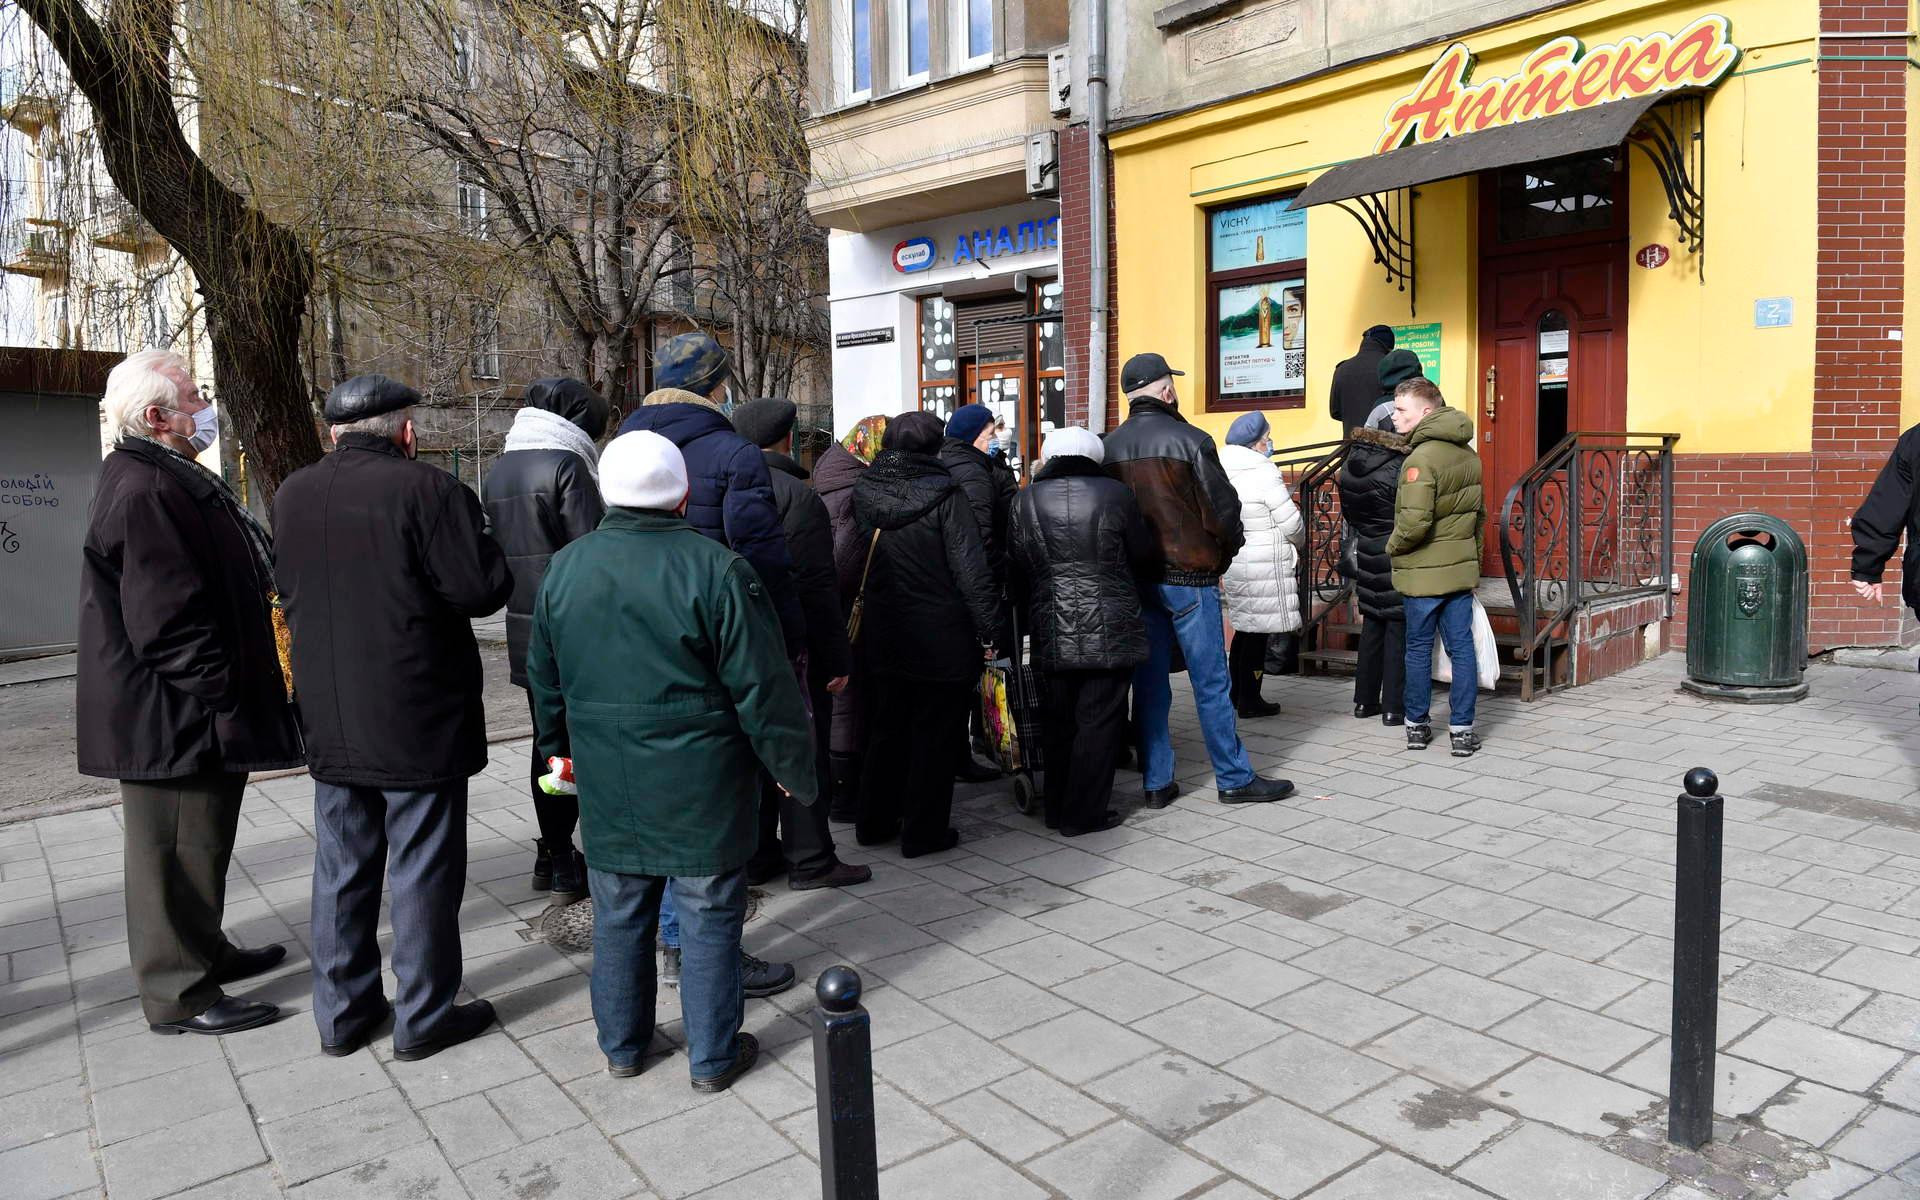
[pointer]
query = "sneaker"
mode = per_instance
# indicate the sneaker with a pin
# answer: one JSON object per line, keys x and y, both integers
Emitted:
{"x": 670, "y": 966}
{"x": 463, "y": 1023}
{"x": 838, "y": 875}
{"x": 1419, "y": 736}
{"x": 569, "y": 877}
{"x": 746, "y": 1053}
{"x": 760, "y": 978}
{"x": 1260, "y": 791}
{"x": 1465, "y": 742}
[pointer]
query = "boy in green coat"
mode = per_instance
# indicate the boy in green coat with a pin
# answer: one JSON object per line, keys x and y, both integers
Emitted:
{"x": 657, "y": 664}
{"x": 1439, "y": 520}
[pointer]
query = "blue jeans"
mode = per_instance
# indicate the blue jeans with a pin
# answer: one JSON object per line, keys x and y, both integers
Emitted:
{"x": 1453, "y": 615}
{"x": 1191, "y": 615}
{"x": 626, "y": 911}
{"x": 669, "y": 919}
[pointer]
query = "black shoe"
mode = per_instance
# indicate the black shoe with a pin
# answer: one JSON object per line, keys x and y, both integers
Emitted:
{"x": 357, "y": 1042}
{"x": 1256, "y": 709}
{"x": 542, "y": 866}
{"x": 229, "y": 1014}
{"x": 463, "y": 1023}
{"x": 945, "y": 841}
{"x": 1112, "y": 820}
{"x": 1260, "y": 791}
{"x": 972, "y": 770}
{"x": 746, "y": 1053}
{"x": 1362, "y": 711}
{"x": 1465, "y": 742}
{"x": 872, "y": 835}
{"x": 760, "y": 978}
{"x": 838, "y": 875}
{"x": 1393, "y": 720}
{"x": 569, "y": 877}
{"x": 1420, "y": 736}
{"x": 759, "y": 873}
{"x": 622, "y": 1070}
{"x": 1161, "y": 797}
{"x": 239, "y": 964}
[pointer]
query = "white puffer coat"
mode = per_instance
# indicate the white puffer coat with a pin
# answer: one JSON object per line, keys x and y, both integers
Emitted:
{"x": 1262, "y": 587}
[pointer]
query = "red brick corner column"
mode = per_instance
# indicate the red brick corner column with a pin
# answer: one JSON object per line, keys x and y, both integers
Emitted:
{"x": 1075, "y": 248}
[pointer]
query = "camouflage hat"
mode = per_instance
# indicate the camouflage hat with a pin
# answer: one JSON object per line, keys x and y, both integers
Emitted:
{"x": 692, "y": 362}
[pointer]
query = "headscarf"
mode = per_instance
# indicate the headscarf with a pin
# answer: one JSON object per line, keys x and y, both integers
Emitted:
{"x": 863, "y": 440}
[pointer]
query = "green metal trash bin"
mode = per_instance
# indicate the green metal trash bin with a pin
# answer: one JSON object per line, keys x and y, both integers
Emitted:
{"x": 1747, "y": 611}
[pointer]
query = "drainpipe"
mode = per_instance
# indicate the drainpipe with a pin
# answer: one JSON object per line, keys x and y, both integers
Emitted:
{"x": 1098, "y": 267}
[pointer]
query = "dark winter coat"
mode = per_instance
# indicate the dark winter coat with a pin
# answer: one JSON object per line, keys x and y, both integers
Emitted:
{"x": 730, "y": 496}
{"x": 931, "y": 603}
{"x": 658, "y": 666}
{"x": 1077, "y": 557}
{"x": 1440, "y": 512}
{"x": 383, "y": 563}
{"x": 1890, "y": 509}
{"x": 833, "y": 478}
{"x": 537, "y": 501}
{"x": 803, "y": 517}
{"x": 990, "y": 487}
{"x": 176, "y": 672}
{"x": 1368, "y": 482}
{"x": 1356, "y": 385}
{"x": 1183, "y": 492}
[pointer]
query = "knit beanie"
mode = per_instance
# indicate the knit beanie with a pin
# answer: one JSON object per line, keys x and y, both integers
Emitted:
{"x": 643, "y": 470}
{"x": 968, "y": 421}
{"x": 1247, "y": 429}
{"x": 1398, "y": 367}
{"x": 915, "y": 433}
{"x": 1379, "y": 335}
{"x": 765, "y": 422}
{"x": 1072, "y": 441}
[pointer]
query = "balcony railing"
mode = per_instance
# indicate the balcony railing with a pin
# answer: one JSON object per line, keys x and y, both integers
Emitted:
{"x": 33, "y": 248}
{"x": 117, "y": 225}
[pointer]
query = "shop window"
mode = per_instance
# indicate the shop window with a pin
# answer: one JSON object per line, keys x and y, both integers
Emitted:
{"x": 1554, "y": 199}
{"x": 973, "y": 35}
{"x": 911, "y": 46}
{"x": 858, "y": 78}
{"x": 1257, "y": 305}
{"x": 939, "y": 368}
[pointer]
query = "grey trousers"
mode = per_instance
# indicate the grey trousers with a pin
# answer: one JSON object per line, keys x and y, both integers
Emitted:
{"x": 418, "y": 840}
{"x": 179, "y": 841}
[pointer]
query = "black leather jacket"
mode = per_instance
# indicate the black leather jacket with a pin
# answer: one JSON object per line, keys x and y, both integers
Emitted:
{"x": 1079, "y": 553}
{"x": 1184, "y": 494}
{"x": 1369, "y": 481}
{"x": 931, "y": 602}
{"x": 537, "y": 501}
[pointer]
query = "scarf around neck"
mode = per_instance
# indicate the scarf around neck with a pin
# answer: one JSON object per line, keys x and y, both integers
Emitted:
{"x": 538, "y": 429}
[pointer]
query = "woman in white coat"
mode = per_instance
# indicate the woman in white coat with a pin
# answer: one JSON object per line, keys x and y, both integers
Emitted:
{"x": 1262, "y": 587}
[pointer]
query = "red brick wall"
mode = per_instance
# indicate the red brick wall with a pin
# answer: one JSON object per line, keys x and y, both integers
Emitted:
{"x": 1857, "y": 368}
{"x": 1074, "y": 267}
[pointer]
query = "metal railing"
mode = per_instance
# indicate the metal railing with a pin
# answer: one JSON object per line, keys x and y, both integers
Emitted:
{"x": 1324, "y": 591}
{"x": 1591, "y": 520}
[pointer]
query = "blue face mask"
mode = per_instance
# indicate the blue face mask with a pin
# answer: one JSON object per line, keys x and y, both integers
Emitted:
{"x": 206, "y": 427}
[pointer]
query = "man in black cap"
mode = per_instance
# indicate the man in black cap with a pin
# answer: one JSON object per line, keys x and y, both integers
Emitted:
{"x": 1194, "y": 513}
{"x": 383, "y": 562}
{"x": 806, "y": 850}
{"x": 1356, "y": 382}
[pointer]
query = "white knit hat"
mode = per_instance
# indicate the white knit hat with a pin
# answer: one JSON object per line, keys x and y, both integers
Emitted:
{"x": 1072, "y": 440}
{"x": 643, "y": 470}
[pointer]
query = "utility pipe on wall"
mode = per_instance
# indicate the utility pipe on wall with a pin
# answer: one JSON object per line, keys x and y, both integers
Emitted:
{"x": 1098, "y": 267}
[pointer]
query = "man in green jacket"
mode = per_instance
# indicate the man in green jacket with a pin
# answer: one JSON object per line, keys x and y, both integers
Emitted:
{"x": 1439, "y": 520}
{"x": 657, "y": 664}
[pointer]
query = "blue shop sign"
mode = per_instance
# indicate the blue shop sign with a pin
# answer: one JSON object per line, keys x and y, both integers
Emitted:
{"x": 1028, "y": 237}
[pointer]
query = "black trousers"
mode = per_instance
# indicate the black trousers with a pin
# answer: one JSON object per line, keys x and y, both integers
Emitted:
{"x": 908, "y": 783}
{"x": 792, "y": 833}
{"x": 1381, "y": 675}
{"x": 1086, "y": 725}
{"x": 1246, "y": 662}
{"x": 179, "y": 842}
{"x": 557, "y": 816}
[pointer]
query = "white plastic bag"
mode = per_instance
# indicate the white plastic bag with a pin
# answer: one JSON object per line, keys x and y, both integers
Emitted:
{"x": 1486, "y": 652}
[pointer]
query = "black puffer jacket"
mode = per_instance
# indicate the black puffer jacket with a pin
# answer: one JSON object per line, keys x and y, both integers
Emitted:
{"x": 990, "y": 487}
{"x": 1077, "y": 555}
{"x": 1368, "y": 483}
{"x": 539, "y": 500}
{"x": 931, "y": 603}
{"x": 810, "y": 544}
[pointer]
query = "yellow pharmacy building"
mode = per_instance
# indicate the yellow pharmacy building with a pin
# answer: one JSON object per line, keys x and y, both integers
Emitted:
{"x": 1658, "y": 251}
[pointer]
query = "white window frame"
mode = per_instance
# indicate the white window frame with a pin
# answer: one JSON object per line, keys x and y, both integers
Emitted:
{"x": 963, "y": 29}
{"x": 849, "y": 93}
{"x": 898, "y": 36}
{"x": 485, "y": 363}
{"x": 472, "y": 204}
{"x": 466, "y": 63}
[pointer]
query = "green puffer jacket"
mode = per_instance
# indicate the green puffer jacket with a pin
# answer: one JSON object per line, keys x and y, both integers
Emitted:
{"x": 657, "y": 664}
{"x": 1440, "y": 515}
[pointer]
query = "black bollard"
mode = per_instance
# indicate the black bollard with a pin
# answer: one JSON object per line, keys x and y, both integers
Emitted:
{"x": 1696, "y": 961}
{"x": 843, "y": 1089}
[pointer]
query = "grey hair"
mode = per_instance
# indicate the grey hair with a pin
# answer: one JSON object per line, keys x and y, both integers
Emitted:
{"x": 387, "y": 425}
{"x": 139, "y": 382}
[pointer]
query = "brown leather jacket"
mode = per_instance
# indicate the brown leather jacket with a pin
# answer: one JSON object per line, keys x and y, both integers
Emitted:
{"x": 1184, "y": 494}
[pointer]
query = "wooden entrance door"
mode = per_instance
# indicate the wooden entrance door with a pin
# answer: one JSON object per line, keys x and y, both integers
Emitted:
{"x": 1553, "y": 344}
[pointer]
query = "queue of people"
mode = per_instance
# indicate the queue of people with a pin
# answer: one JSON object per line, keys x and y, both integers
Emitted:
{"x": 730, "y": 654}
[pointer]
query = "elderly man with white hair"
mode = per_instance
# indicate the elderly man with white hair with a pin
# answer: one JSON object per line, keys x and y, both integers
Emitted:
{"x": 179, "y": 691}
{"x": 1078, "y": 558}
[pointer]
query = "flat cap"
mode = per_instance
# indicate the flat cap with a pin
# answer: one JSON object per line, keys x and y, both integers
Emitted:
{"x": 765, "y": 422}
{"x": 366, "y": 396}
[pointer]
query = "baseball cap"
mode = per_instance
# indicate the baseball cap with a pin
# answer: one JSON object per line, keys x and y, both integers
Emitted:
{"x": 1143, "y": 369}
